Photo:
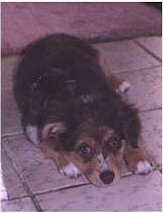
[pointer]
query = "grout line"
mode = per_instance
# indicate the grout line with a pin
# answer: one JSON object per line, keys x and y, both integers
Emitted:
{"x": 115, "y": 72}
{"x": 148, "y": 51}
{"x": 150, "y": 110}
{"x": 25, "y": 185}
{"x": 47, "y": 191}
{"x": 62, "y": 188}
{"x": 31, "y": 195}
{"x": 15, "y": 198}
{"x": 10, "y": 134}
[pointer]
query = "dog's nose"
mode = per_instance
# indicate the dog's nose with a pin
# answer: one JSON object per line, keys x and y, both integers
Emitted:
{"x": 107, "y": 176}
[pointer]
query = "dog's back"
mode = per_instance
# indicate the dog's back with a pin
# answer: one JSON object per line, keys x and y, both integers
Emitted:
{"x": 60, "y": 60}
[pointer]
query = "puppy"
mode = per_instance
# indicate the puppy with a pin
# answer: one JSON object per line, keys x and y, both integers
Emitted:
{"x": 71, "y": 108}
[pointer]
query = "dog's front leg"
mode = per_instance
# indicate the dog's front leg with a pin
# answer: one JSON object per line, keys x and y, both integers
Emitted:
{"x": 116, "y": 82}
{"x": 137, "y": 160}
{"x": 64, "y": 166}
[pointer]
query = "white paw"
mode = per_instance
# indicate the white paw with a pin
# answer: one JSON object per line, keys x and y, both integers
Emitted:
{"x": 123, "y": 87}
{"x": 143, "y": 167}
{"x": 32, "y": 134}
{"x": 70, "y": 170}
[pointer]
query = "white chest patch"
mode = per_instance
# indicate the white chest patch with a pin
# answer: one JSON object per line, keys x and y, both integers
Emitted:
{"x": 32, "y": 134}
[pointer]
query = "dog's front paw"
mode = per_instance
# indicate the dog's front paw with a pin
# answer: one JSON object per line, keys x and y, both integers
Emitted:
{"x": 143, "y": 167}
{"x": 70, "y": 170}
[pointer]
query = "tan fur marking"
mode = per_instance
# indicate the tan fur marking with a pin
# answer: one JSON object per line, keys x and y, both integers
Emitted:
{"x": 90, "y": 141}
{"x": 114, "y": 161}
{"x": 106, "y": 133}
{"x": 58, "y": 157}
{"x": 113, "y": 80}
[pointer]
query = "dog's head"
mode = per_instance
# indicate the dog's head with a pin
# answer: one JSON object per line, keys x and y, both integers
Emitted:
{"x": 97, "y": 153}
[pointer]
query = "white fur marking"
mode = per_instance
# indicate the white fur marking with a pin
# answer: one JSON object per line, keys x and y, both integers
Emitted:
{"x": 123, "y": 87}
{"x": 32, "y": 134}
{"x": 143, "y": 167}
{"x": 102, "y": 163}
{"x": 4, "y": 194}
{"x": 70, "y": 170}
{"x": 88, "y": 98}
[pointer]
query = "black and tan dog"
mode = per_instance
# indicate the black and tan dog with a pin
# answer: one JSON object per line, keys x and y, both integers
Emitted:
{"x": 72, "y": 110}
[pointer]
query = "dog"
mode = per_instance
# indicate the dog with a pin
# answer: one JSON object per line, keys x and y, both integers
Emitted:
{"x": 75, "y": 111}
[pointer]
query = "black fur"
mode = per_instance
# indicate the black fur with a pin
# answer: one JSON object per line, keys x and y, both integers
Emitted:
{"x": 53, "y": 77}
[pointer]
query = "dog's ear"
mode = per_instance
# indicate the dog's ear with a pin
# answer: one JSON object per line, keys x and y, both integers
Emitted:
{"x": 52, "y": 131}
{"x": 58, "y": 136}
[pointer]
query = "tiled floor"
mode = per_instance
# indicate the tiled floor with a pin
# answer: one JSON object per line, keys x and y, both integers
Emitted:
{"x": 32, "y": 183}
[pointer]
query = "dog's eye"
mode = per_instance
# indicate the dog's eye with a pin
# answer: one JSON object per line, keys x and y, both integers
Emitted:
{"x": 114, "y": 143}
{"x": 85, "y": 151}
